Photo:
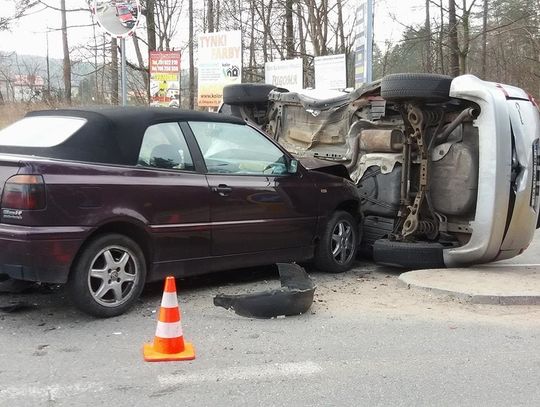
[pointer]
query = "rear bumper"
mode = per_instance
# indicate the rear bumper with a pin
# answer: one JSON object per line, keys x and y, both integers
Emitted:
{"x": 42, "y": 254}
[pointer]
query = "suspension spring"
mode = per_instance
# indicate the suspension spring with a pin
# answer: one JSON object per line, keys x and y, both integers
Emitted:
{"x": 427, "y": 227}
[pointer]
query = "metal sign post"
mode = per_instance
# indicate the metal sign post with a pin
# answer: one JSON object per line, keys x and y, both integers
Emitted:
{"x": 369, "y": 42}
{"x": 123, "y": 71}
{"x": 120, "y": 20}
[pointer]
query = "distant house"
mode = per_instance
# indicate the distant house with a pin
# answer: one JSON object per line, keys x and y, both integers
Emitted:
{"x": 26, "y": 87}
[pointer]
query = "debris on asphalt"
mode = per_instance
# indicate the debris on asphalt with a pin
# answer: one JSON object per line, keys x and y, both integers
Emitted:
{"x": 293, "y": 298}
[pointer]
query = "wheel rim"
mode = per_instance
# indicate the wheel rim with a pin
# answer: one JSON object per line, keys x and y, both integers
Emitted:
{"x": 113, "y": 276}
{"x": 342, "y": 242}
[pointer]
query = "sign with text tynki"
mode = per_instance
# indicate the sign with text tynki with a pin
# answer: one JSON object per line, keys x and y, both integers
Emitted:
{"x": 164, "y": 78}
{"x": 288, "y": 74}
{"x": 220, "y": 64}
{"x": 363, "y": 43}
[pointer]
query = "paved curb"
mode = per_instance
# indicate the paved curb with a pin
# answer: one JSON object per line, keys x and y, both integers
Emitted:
{"x": 414, "y": 280}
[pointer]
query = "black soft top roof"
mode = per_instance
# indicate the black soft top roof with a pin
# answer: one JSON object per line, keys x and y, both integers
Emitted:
{"x": 112, "y": 135}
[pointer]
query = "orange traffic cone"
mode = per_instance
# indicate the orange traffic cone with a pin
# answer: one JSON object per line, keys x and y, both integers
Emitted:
{"x": 169, "y": 342}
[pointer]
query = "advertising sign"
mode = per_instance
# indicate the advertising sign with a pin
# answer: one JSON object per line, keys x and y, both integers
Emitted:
{"x": 363, "y": 43}
{"x": 164, "y": 77}
{"x": 331, "y": 72}
{"x": 288, "y": 74}
{"x": 220, "y": 64}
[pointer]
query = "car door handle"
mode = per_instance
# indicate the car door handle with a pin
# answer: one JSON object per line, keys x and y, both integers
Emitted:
{"x": 222, "y": 189}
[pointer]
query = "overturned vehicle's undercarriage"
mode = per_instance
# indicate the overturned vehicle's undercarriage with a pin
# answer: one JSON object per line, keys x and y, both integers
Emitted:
{"x": 413, "y": 149}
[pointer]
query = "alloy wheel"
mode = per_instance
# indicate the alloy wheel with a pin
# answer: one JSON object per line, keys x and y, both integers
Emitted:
{"x": 113, "y": 275}
{"x": 342, "y": 243}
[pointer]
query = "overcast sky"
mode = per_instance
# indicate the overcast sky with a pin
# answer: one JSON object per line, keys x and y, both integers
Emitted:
{"x": 27, "y": 36}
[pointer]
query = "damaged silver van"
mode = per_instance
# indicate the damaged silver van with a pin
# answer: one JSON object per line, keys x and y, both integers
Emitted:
{"x": 447, "y": 167}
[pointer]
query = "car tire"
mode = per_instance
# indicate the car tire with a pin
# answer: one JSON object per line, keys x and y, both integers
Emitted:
{"x": 404, "y": 87}
{"x": 103, "y": 282}
{"x": 246, "y": 93}
{"x": 336, "y": 251}
{"x": 410, "y": 255}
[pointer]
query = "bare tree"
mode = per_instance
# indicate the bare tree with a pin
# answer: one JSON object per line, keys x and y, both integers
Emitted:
{"x": 453, "y": 38}
{"x": 21, "y": 8}
{"x": 427, "y": 29}
{"x": 114, "y": 71}
{"x": 65, "y": 46}
{"x": 289, "y": 29}
{"x": 484, "y": 37}
{"x": 210, "y": 15}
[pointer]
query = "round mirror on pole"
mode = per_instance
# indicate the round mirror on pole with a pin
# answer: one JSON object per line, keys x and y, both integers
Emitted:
{"x": 117, "y": 17}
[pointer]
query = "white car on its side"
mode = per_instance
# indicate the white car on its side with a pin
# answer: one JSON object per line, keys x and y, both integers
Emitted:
{"x": 448, "y": 168}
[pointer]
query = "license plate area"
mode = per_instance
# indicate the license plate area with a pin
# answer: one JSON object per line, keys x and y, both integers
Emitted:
{"x": 535, "y": 185}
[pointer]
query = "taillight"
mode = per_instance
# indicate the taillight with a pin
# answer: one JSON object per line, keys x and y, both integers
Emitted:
{"x": 24, "y": 192}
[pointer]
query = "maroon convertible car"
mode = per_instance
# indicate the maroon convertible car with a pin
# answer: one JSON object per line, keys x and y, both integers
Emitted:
{"x": 107, "y": 199}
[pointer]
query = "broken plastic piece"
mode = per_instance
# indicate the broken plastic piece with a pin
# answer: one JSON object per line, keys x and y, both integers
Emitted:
{"x": 293, "y": 298}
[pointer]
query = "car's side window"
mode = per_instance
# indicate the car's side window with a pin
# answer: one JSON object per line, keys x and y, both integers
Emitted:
{"x": 164, "y": 146}
{"x": 229, "y": 148}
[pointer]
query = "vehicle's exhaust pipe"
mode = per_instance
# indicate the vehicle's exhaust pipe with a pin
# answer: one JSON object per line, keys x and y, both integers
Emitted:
{"x": 467, "y": 114}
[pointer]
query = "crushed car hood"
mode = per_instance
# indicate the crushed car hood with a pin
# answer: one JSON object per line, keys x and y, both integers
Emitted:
{"x": 328, "y": 167}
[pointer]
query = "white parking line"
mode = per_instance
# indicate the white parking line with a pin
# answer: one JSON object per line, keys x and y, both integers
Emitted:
{"x": 510, "y": 265}
{"x": 51, "y": 392}
{"x": 247, "y": 373}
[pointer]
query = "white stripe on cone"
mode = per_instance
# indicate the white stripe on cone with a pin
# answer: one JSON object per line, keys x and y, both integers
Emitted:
{"x": 169, "y": 330}
{"x": 169, "y": 300}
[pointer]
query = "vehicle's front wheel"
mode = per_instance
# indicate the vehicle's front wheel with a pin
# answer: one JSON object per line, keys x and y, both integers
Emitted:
{"x": 108, "y": 276}
{"x": 337, "y": 247}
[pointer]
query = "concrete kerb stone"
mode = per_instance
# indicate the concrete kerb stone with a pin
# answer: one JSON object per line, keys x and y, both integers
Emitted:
{"x": 479, "y": 285}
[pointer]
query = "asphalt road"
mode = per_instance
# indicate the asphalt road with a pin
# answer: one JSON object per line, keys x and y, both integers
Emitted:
{"x": 365, "y": 341}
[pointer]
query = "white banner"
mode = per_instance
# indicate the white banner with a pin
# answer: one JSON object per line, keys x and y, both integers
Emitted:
{"x": 330, "y": 72}
{"x": 288, "y": 74}
{"x": 220, "y": 64}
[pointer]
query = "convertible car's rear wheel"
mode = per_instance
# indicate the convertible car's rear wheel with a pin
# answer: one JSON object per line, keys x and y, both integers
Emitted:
{"x": 108, "y": 276}
{"x": 337, "y": 247}
{"x": 404, "y": 87}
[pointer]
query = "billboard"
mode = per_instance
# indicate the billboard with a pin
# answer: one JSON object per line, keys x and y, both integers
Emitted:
{"x": 164, "y": 77}
{"x": 331, "y": 72}
{"x": 220, "y": 64}
{"x": 363, "y": 43}
{"x": 288, "y": 74}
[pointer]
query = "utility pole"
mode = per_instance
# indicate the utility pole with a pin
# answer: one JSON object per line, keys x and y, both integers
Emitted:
{"x": 48, "y": 66}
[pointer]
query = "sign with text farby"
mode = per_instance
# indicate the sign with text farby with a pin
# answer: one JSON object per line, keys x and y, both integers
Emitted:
{"x": 220, "y": 64}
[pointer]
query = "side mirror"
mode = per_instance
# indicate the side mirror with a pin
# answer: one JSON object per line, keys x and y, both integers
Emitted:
{"x": 292, "y": 168}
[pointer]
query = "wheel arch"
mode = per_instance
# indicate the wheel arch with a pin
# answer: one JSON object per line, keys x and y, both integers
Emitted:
{"x": 132, "y": 230}
{"x": 351, "y": 206}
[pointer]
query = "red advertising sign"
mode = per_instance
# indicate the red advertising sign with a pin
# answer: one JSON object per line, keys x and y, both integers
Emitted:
{"x": 165, "y": 78}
